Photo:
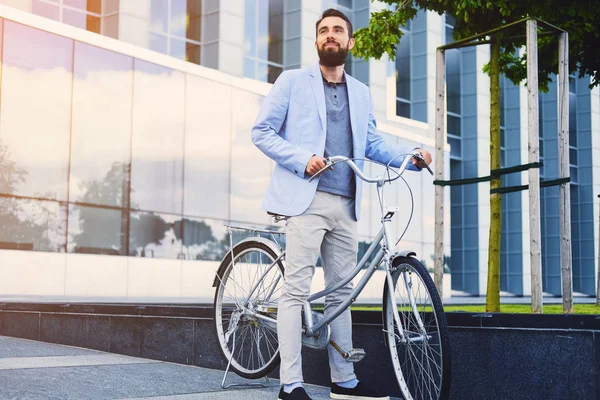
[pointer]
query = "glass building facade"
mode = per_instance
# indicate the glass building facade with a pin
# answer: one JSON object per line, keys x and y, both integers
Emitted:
{"x": 120, "y": 162}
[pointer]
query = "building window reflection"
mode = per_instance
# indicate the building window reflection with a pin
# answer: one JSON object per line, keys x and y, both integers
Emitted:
{"x": 155, "y": 235}
{"x": 98, "y": 16}
{"x": 31, "y": 224}
{"x": 176, "y": 28}
{"x": 263, "y": 46}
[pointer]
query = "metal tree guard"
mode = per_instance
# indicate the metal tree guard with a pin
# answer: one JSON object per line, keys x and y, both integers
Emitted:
{"x": 534, "y": 174}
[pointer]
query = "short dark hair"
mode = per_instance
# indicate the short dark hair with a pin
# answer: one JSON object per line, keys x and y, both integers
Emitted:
{"x": 332, "y": 12}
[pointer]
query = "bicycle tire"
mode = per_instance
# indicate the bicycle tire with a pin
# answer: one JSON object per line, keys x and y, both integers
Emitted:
{"x": 248, "y": 364}
{"x": 423, "y": 370}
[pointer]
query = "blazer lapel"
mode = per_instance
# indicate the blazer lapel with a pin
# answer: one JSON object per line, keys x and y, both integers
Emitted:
{"x": 352, "y": 100}
{"x": 316, "y": 83}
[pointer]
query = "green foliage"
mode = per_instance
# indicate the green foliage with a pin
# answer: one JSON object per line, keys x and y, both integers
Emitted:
{"x": 580, "y": 18}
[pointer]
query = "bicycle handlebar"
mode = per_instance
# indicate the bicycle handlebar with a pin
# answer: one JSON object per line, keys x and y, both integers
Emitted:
{"x": 330, "y": 161}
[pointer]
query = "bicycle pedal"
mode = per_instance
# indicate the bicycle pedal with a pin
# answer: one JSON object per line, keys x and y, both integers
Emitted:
{"x": 355, "y": 355}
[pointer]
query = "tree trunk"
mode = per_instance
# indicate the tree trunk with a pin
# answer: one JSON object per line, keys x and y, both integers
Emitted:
{"x": 493, "y": 281}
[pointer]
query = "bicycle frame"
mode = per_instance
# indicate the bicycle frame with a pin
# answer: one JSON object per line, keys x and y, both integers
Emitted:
{"x": 384, "y": 254}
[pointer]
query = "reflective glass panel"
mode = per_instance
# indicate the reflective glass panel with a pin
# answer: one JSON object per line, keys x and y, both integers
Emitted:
{"x": 250, "y": 29}
{"x": 194, "y": 21}
{"x": 454, "y": 125}
{"x": 262, "y": 42}
{"x": 36, "y": 109}
{"x": 32, "y": 225}
{"x": 81, "y": 20}
{"x": 155, "y": 235}
{"x": 276, "y": 31}
{"x": 453, "y": 80}
{"x": 250, "y": 168}
{"x": 95, "y": 230}
{"x": 204, "y": 239}
{"x": 186, "y": 19}
{"x": 185, "y": 50}
{"x": 159, "y": 15}
{"x": 158, "y": 43}
{"x": 101, "y": 128}
{"x": 94, "y": 6}
{"x": 157, "y": 143}
{"x": 403, "y": 67}
{"x": 403, "y": 109}
{"x": 207, "y": 149}
{"x": 45, "y": 10}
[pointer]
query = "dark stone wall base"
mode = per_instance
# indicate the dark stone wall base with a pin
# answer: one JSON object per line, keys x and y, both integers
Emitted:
{"x": 488, "y": 362}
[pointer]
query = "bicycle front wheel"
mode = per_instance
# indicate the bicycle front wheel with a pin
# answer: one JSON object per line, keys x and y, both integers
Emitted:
{"x": 419, "y": 347}
{"x": 248, "y": 288}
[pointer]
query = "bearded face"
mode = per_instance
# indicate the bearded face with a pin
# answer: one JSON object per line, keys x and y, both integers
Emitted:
{"x": 333, "y": 41}
{"x": 332, "y": 53}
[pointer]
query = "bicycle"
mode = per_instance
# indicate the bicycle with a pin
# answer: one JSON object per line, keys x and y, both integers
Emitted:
{"x": 414, "y": 323}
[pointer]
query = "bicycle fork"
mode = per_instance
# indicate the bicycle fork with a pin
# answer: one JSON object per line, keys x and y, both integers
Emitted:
{"x": 413, "y": 304}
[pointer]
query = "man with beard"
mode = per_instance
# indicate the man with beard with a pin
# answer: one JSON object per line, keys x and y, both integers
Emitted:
{"x": 310, "y": 114}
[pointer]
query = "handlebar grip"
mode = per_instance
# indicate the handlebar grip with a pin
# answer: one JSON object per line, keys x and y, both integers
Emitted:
{"x": 319, "y": 172}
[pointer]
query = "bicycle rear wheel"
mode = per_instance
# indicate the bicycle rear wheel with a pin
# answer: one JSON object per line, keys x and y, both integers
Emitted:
{"x": 421, "y": 355}
{"x": 247, "y": 286}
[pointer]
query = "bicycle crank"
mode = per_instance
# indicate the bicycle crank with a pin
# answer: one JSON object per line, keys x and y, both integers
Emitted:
{"x": 354, "y": 355}
{"x": 320, "y": 338}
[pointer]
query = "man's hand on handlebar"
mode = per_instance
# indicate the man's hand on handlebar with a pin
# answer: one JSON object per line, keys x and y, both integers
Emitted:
{"x": 425, "y": 155}
{"x": 315, "y": 164}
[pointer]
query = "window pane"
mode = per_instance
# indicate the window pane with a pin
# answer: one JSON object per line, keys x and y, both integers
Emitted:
{"x": 455, "y": 150}
{"x": 178, "y": 18}
{"x": 574, "y": 175}
{"x": 454, "y": 125}
{"x": 204, "y": 239}
{"x": 158, "y": 43}
{"x": 95, "y": 230}
{"x": 158, "y": 15}
{"x": 81, "y": 20}
{"x": 177, "y": 48}
{"x": 157, "y": 143}
{"x": 207, "y": 149}
{"x": 402, "y": 109}
{"x": 94, "y": 6}
{"x": 194, "y": 26}
{"x": 185, "y": 51}
{"x": 36, "y": 109}
{"x": 192, "y": 53}
{"x": 32, "y": 225}
{"x": 101, "y": 127}
{"x": 249, "y": 68}
{"x": 573, "y": 119}
{"x": 262, "y": 72}
{"x": 250, "y": 29}
{"x": 276, "y": 31}
{"x": 403, "y": 68}
{"x": 453, "y": 80}
{"x": 155, "y": 235}
{"x": 262, "y": 41}
{"x": 250, "y": 168}
{"x": 45, "y": 10}
{"x": 274, "y": 73}
{"x": 573, "y": 156}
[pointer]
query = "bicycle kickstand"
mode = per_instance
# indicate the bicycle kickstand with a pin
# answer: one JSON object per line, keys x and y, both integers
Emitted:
{"x": 247, "y": 384}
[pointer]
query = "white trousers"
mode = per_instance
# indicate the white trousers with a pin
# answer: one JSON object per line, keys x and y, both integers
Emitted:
{"x": 328, "y": 226}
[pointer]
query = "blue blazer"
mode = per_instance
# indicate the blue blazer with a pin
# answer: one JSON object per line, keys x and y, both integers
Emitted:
{"x": 291, "y": 128}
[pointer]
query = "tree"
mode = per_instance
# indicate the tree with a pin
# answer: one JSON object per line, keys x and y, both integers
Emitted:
{"x": 581, "y": 18}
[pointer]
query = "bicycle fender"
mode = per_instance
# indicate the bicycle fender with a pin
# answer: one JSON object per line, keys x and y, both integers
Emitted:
{"x": 225, "y": 262}
{"x": 406, "y": 253}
